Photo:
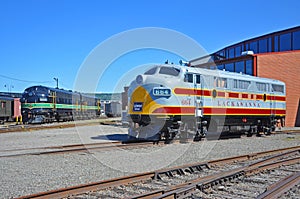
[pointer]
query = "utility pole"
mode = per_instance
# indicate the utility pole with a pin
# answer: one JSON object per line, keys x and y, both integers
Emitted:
{"x": 56, "y": 79}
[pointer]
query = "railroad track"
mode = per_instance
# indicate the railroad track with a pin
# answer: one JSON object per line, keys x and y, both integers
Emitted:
{"x": 73, "y": 148}
{"x": 88, "y": 147}
{"x": 34, "y": 127}
{"x": 212, "y": 179}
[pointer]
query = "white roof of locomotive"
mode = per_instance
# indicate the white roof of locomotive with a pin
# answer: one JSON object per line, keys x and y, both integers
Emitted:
{"x": 222, "y": 73}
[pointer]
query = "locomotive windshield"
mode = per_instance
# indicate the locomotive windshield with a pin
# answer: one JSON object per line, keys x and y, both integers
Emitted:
{"x": 152, "y": 71}
{"x": 169, "y": 71}
{"x": 163, "y": 70}
{"x": 35, "y": 94}
{"x": 37, "y": 89}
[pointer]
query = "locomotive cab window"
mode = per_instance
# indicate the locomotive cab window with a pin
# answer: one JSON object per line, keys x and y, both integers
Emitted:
{"x": 169, "y": 71}
{"x": 188, "y": 77}
{"x": 151, "y": 71}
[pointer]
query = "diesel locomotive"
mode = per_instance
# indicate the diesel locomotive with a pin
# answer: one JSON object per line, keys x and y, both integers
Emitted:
{"x": 170, "y": 100}
{"x": 41, "y": 104}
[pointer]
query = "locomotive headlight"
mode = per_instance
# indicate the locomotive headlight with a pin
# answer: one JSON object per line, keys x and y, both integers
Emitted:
{"x": 139, "y": 79}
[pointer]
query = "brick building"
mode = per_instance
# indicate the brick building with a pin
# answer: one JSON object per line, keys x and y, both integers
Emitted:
{"x": 275, "y": 55}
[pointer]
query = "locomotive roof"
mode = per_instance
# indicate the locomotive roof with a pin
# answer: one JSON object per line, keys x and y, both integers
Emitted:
{"x": 223, "y": 74}
{"x": 59, "y": 90}
{"x": 52, "y": 89}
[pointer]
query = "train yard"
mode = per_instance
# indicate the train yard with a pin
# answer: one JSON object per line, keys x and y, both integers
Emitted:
{"x": 222, "y": 125}
{"x": 258, "y": 175}
{"x": 58, "y": 158}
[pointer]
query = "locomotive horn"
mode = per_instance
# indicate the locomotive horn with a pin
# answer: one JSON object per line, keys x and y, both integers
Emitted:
{"x": 185, "y": 63}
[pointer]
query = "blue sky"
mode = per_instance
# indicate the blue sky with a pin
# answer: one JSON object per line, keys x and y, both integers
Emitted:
{"x": 43, "y": 39}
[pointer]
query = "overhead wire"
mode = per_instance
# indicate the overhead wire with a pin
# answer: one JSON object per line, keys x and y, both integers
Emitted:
{"x": 22, "y": 80}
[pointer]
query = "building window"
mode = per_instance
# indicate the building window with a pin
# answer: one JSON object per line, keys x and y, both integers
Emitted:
{"x": 285, "y": 42}
{"x": 246, "y": 46}
{"x": 240, "y": 67}
{"x": 296, "y": 40}
{"x": 238, "y": 51}
{"x": 229, "y": 67}
{"x": 276, "y": 44}
{"x": 219, "y": 55}
{"x": 263, "y": 46}
{"x": 221, "y": 67}
{"x": 270, "y": 47}
{"x": 249, "y": 67}
{"x": 231, "y": 53}
{"x": 253, "y": 46}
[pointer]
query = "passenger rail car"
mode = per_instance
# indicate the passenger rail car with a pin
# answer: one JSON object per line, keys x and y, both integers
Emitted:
{"x": 42, "y": 104}
{"x": 9, "y": 108}
{"x": 168, "y": 100}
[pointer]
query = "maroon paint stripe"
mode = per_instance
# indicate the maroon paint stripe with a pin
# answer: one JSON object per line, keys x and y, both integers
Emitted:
{"x": 233, "y": 95}
{"x": 225, "y": 111}
{"x": 185, "y": 91}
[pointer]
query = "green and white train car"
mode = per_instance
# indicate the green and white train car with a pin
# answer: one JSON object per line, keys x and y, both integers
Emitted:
{"x": 42, "y": 104}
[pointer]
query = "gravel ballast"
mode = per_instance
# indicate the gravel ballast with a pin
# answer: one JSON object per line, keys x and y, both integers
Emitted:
{"x": 23, "y": 175}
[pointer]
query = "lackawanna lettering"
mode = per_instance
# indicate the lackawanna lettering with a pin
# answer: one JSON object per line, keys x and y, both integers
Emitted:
{"x": 229, "y": 103}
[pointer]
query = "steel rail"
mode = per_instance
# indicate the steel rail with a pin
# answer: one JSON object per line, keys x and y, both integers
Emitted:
{"x": 196, "y": 184}
{"x": 58, "y": 146}
{"x": 34, "y": 127}
{"x": 75, "y": 190}
{"x": 79, "y": 148}
{"x": 278, "y": 189}
{"x": 186, "y": 189}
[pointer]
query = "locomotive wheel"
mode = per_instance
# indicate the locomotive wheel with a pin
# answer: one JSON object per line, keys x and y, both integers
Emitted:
{"x": 184, "y": 133}
{"x": 249, "y": 134}
{"x": 197, "y": 137}
{"x": 212, "y": 132}
{"x": 167, "y": 136}
{"x": 268, "y": 131}
{"x": 251, "y": 131}
{"x": 213, "y": 127}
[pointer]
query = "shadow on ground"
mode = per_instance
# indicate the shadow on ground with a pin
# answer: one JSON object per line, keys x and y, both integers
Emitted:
{"x": 114, "y": 137}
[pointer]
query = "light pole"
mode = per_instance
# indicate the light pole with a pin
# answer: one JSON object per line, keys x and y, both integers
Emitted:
{"x": 56, "y": 79}
{"x": 9, "y": 87}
